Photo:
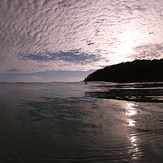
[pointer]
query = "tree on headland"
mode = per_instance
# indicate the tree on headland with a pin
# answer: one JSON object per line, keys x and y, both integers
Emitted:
{"x": 135, "y": 71}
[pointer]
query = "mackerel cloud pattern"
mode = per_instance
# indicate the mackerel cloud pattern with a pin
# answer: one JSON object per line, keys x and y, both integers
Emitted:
{"x": 41, "y": 35}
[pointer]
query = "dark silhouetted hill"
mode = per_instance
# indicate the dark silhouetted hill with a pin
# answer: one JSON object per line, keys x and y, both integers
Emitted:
{"x": 135, "y": 71}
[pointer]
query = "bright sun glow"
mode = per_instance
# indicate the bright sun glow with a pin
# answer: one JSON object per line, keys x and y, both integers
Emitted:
{"x": 127, "y": 43}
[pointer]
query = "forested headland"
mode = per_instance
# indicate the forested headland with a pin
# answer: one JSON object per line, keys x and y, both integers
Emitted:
{"x": 126, "y": 72}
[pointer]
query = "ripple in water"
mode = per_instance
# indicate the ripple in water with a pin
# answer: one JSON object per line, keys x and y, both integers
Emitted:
{"x": 97, "y": 122}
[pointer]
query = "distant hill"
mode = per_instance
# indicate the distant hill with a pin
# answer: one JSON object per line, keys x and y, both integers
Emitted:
{"x": 135, "y": 71}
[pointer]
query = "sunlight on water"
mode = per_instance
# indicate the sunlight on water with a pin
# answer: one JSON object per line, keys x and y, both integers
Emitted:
{"x": 130, "y": 111}
{"x": 135, "y": 149}
{"x": 74, "y": 122}
{"x": 131, "y": 122}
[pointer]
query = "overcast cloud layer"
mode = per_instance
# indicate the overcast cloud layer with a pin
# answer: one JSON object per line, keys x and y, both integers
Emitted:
{"x": 41, "y": 35}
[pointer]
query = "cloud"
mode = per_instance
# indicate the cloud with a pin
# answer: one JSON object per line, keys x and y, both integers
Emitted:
{"x": 44, "y": 34}
{"x": 13, "y": 70}
{"x": 150, "y": 51}
{"x": 27, "y": 79}
{"x": 73, "y": 56}
{"x": 74, "y": 79}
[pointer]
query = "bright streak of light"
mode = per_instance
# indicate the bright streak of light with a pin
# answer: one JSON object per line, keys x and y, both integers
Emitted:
{"x": 130, "y": 110}
{"x": 131, "y": 122}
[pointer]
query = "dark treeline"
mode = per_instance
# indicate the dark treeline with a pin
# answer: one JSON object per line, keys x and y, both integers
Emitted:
{"x": 135, "y": 71}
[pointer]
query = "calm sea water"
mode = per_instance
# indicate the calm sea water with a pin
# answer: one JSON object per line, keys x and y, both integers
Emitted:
{"x": 77, "y": 122}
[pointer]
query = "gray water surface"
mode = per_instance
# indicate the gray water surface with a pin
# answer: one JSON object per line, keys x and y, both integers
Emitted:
{"x": 73, "y": 122}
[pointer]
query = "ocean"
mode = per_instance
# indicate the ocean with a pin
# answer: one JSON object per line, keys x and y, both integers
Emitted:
{"x": 97, "y": 122}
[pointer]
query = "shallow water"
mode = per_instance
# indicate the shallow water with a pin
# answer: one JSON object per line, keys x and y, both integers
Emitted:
{"x": 74, "y": 122}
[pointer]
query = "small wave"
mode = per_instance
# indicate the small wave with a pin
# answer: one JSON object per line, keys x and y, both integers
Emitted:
{"x": 142, "y": 92}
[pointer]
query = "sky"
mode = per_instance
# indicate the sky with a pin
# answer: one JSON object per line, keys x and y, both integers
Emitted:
{"x": 66, "y": 40}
